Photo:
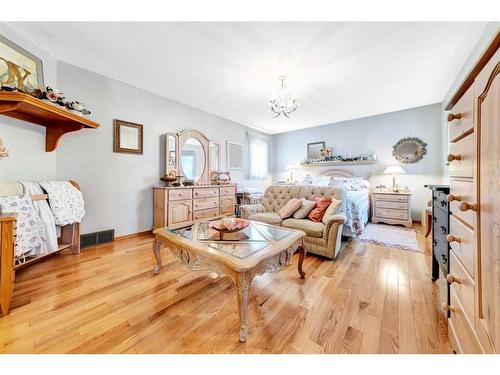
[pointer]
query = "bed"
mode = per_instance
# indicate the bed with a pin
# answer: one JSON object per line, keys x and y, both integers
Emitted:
{"x": 357, "y": 191}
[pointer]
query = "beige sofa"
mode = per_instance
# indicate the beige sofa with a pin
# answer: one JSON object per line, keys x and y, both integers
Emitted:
{"x": 323, "y": 238}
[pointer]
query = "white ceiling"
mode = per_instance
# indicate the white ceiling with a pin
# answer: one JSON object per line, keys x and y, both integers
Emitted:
{"x": 338, "y": 71}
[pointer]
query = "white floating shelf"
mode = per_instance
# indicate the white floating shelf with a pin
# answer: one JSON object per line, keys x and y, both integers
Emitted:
{"x": 337, "y": 162}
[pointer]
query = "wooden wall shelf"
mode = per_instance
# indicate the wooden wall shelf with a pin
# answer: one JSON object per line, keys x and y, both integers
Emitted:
{"x": 338, "y": 162}
{"x": 57, "y": 120}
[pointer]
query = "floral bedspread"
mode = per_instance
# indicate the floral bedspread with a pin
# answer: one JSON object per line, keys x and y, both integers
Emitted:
{"x": 357, "y": 210}
{"x": 66, "y": 202}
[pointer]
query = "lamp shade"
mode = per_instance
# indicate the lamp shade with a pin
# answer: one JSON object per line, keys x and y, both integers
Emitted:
{"x": 394, "y": 169}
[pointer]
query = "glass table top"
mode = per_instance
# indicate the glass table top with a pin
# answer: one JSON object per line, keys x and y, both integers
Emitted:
{"x": 255, "y": 237}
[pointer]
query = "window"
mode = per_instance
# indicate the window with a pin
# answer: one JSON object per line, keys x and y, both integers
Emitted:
{"x": 257, "y": 149}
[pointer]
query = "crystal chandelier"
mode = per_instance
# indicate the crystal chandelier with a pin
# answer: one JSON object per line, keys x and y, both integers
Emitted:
{"x": 284, "y": 102}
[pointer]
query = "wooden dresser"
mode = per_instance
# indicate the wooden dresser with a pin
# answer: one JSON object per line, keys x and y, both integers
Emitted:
{"x": 176, "y": 207}
{"x": 474, "y": 166}
{"x": 391, "y": 208}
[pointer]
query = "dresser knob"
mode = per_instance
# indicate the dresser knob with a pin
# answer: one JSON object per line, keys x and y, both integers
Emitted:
{"x": 466, "y": 206}
{"x": 445, "y": 306}
{"x": 452, "y": 116}
{"x": 452, "y": 198}
{"x": 452, "y": 279}
{"x": 452, "y": 157}
{"x": 451, "y": 238}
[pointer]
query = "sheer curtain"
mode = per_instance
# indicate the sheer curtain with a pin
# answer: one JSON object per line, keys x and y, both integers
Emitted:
{"x": 257, "y": 156}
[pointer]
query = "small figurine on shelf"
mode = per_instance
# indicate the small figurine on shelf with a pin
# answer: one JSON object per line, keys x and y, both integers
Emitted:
{"x": 3, "y": 151}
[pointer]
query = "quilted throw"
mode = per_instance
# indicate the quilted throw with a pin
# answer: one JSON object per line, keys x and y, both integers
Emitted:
{"x": 29, "y": 228}
{"x": 66, "y": 202}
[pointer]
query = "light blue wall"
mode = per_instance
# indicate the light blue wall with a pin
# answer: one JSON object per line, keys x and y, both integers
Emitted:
{"x": 375, "y": 134}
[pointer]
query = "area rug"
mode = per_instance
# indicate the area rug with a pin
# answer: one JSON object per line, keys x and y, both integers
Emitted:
{"x": 391, "y": 236}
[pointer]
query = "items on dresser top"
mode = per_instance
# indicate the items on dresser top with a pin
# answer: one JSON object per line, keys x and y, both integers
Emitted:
{"x": 391, "y": 208}
{"x": 176, "y": 207}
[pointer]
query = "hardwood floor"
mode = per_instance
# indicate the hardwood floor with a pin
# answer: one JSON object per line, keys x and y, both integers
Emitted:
{"x": 106, "y": 300}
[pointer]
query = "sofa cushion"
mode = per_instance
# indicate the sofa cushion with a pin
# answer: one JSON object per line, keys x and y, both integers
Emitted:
{"x": 332, "y": 209}
{"x": 311, "y": 228}
{"x": 276, "y": 196}
{"x": 267, "y": 217}
{"x": 322, "y": 204}
{"x": 306, "y": 207}
{"x": 289, "y": 208}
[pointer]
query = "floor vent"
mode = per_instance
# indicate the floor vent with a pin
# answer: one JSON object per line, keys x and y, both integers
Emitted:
{"x": 97, "y": 238}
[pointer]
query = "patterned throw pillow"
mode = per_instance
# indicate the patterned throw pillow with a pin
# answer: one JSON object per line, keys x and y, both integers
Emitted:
{"x": 322, "y": 204}
{"x": 306, "y": 207}
{"x": 289, "y": 208}
{"x": 332, "y": 209}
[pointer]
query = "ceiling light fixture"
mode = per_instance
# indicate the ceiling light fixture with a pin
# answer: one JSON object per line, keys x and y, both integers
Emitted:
{"x": 284, "y": 102}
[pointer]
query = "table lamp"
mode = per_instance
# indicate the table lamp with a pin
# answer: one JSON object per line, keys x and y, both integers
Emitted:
{"x": 291, "y": 168}
{"x": 394, "y": 170}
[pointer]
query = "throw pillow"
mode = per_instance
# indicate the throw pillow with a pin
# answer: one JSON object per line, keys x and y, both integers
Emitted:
{"x": 289, "y": 208}
{"x": 332, "y": 209}
{"x": 306, "y": 207}
{"x": 322, "y": 204}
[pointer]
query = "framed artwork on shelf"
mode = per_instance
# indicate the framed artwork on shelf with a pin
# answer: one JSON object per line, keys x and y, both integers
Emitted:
{"x": 127, "y": 137}
{"x": 234, "y": 152}
{"x": 314, "y": 150}
{"x": 19, "y": 69}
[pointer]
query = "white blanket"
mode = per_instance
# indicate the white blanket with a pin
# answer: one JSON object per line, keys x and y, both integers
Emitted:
{"x": 45, "y": 214}
{"x": 66, "y": 202}
{"x": 29, "y": 229}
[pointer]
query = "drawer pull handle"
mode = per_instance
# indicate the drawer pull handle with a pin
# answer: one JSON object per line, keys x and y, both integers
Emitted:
{"x": 451, "y": 238}
{"x": 445, "y": 306}
{"x": 452, "y": 198}
{"x": 466, "y": 206}
{"x": 452, "y": 116}
{"x": 452, "y": 279}
{"x": 452, "y": 157}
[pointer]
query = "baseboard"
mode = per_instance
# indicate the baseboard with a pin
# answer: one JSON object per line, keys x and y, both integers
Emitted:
{"x": 133, "y": 235}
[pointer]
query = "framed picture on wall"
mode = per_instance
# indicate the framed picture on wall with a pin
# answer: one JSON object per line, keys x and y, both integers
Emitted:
{"x": 314, "y": 150}
{"x": 127, "y": 137}
{"x": 19, "y": 69}
{"x": 234, "y": 152}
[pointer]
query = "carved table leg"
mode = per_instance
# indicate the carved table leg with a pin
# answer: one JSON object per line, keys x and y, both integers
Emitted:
{"x": 243, "y": 288}
{"x": 302, "y": 255}
{"x": 156, "y": 250}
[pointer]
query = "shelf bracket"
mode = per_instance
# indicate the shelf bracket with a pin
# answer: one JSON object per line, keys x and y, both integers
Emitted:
{"x": 54, "y": 134}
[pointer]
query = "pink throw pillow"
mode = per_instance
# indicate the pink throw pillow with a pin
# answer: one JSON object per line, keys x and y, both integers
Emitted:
{"x": 289, "y": 208}
{"x": 322, "y": 204}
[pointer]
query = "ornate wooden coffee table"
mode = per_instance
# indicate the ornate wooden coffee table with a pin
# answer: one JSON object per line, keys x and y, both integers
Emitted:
{"x": 255, "y": 250}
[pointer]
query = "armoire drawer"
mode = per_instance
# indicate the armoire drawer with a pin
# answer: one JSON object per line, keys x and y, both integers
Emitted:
{"x": 205, "y": 203}
{"x": 180, "y": 194}
{"x": 390, "y": 204}
{"x": 462, "y": 284}
{"x": 227, "y": 190}
{"x": 460, "y": 325}
{"x": 392, "y": 198}
{"x": 206, "y": 214}
{"x": 460, "y": 118}
{"x": 390, "y": 213}
{"x": 462, "y": 190}
{"x": 461, "y": 157}
{"x": 205, "y": 192}
{"x": 462, "y": 243}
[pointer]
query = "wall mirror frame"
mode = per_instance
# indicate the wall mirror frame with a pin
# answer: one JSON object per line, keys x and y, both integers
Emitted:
{"x": 314, "y": 150}
{"x": 409, "y": 150}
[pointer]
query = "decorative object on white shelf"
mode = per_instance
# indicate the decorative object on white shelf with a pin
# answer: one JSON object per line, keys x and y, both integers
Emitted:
{"x": 3, "y": 151}
{"x": 291, "y": 168}
{"x": 284, "y": 102}
{"x": 394, "y": 170}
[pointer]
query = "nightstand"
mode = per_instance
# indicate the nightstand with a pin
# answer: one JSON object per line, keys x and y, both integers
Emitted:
{"x": 391, "y": 208}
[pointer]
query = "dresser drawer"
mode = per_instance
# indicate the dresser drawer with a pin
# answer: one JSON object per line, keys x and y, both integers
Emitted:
{"x": 205, "y": 192}
{"x": 391, "y": 197}
{"x": 460, "y": 118}
{"x": 390, "y": 213}
{"x": 227, "y": 190}
{"x": 464, "y": 250}
{"x": 462, "y": 153}
{"x": 179, "y": 194}
{"x": 463, "y": 285}
{"x": 205, "y": 203}
{"x": 390, "y": 204}
{"x": 206, "y": 214}
{"x": 462, "y": 191}
{"x": 461, "y": 327}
